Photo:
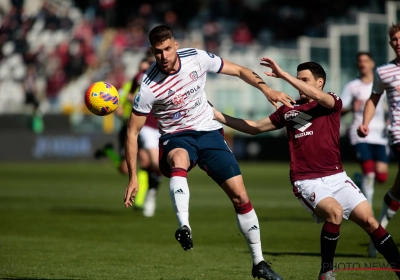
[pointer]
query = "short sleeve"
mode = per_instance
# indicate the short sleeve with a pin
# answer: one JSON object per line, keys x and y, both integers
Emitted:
{"x": 144, "y": 100}
{"x": 212, "y": 62}
{"x": 378, "y": 86}
{"x": 338, "y": 102}
{"x": 276, "y": 118}
{"x": 346, "y": 96}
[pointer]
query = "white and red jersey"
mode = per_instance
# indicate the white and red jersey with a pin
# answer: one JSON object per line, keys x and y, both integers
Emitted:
{"x": 178, "y": 100}
{"x": 314, "y": 133}
{"x": 387, "y": 78}
{"x": 354, "y": 96}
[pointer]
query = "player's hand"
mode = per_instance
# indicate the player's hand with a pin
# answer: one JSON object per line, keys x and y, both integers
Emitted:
{"x": 275, "y": 96}
{"x": 363, "y": 131}
{"x": 276, "y": 71}
{"x": 216, "y": 113}
{"x": 130, "y": 193}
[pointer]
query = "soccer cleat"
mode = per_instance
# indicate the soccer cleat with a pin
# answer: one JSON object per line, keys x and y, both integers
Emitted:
{"x": 264, "y": 271}
{"x": 329, "y": 275}
{"x": 184, "y": 236}
{"x": 371, "y": 250}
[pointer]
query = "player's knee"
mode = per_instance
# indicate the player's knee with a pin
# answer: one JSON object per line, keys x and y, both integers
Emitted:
{"x": 178, "y": 159}
{"x": 381, "y": 177}
{"x": 370, "y": 224}
{"x": 335, "y": 214}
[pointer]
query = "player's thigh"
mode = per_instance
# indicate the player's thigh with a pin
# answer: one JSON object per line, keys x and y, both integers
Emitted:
{"x": 362, "y": 215}
{"x": 216, "y": 158}
{"x": 364, "y": 152}
{"x": 173, "y": 148}
{"x": 346, "y": 192}
{"x": 310, "y": 192}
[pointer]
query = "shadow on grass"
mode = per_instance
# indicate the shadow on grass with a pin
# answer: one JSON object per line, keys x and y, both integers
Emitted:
{"x": 85, "y": 211}
{"x": 313, "y": 254}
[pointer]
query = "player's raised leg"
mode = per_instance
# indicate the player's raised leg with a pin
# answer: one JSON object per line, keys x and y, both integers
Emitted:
{"x": 362, "y": 215}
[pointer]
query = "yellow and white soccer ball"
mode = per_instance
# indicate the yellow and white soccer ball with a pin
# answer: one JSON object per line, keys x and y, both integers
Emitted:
{"x": 101, "y": 98}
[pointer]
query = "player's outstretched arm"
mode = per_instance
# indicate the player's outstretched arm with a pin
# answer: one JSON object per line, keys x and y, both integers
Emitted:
{"x": 310, "y": 91}
{"x": 369, "y": 112}
{"x": 255, "y": 80}
{"x": 246, "y": 126}
{"x": 131, "y": 149}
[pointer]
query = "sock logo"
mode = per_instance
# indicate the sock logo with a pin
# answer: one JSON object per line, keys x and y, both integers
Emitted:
{"x": 253, "y": 228}
{"x": 387, "y": 237}
{"x": 331, "y": 238}
{"x": 180, "y": 191}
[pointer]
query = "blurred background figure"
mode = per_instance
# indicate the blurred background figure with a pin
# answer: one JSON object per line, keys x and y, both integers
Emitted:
{"x": 372, "y": 151}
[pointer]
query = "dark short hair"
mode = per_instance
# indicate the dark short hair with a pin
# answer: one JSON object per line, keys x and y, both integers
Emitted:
{"x": 159, "y": 34}
{"x": 316, "y": 70}
{"x": 364, "y": 53}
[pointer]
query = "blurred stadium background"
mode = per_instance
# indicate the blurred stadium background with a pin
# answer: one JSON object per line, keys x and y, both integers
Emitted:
{"x": 66, "y": 45}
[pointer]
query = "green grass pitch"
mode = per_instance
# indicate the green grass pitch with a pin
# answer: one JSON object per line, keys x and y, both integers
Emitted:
{"x": 67, "y": 221}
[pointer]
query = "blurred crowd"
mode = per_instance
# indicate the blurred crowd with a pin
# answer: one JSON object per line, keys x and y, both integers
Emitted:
{"x": 45, "y": 49}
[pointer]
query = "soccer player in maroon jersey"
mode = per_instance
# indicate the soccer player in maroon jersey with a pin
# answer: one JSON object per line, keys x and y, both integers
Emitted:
{"x": 316, "y": 173}
{"x": 387, "y": 78}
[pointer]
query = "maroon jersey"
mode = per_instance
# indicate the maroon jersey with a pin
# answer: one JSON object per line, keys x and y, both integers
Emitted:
{"x": 313, "y": 132}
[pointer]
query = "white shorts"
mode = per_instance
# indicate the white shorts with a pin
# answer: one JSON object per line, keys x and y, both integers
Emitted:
{"x": 149, "y": 137}
{"x": 339, "y": 186}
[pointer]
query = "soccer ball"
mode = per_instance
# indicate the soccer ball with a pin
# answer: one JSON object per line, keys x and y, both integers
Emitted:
{"x": 101, "y": 98}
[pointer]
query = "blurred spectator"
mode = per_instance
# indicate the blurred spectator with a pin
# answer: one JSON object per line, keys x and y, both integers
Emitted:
{"x": 55, "y": 82}
{"x": 242, "y": 36}
{"x": 211, "y": 36}
{"x": 171, "y": 19}
{"x": 31, "y": 97}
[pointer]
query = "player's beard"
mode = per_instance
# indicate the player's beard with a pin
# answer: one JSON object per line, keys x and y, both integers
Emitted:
{"x": 169, "y": 66}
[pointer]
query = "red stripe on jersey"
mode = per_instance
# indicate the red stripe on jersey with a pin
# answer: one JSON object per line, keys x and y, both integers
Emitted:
{"x": 244, "y": 208}
{"x": 189, "y": 83}
{"x": 163, "y": 91}
{"x": 166, "y": 83}
{"x": 388, "y": 69}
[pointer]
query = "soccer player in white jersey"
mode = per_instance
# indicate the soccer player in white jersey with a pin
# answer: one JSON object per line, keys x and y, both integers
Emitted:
{"x": 173, "y": 89}
{"x": 316, "y": 171}
{"x": 387, "y": 78}
{"x": 371, "y": 151}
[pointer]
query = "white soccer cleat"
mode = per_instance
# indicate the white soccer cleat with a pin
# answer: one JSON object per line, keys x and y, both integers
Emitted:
{"x": 149, "y": 207}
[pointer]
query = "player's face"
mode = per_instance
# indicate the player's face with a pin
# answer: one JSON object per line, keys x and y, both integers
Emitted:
{"x": 307, "y": 76}
{"x": 395, "y": 43}
{"x": 365, "y": 65}
{"x": 166, "y": 56}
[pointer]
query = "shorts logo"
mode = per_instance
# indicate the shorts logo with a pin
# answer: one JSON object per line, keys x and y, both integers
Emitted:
{"x": 165, "y": 142}
{"x": 194, "y": 76}
{"x": 311, "y": 197}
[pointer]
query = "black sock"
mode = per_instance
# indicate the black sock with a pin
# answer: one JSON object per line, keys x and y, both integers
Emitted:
{"x": 329, "y": 240}
{"x": 154, "y": 180}
{"x": 385, "y": 245}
